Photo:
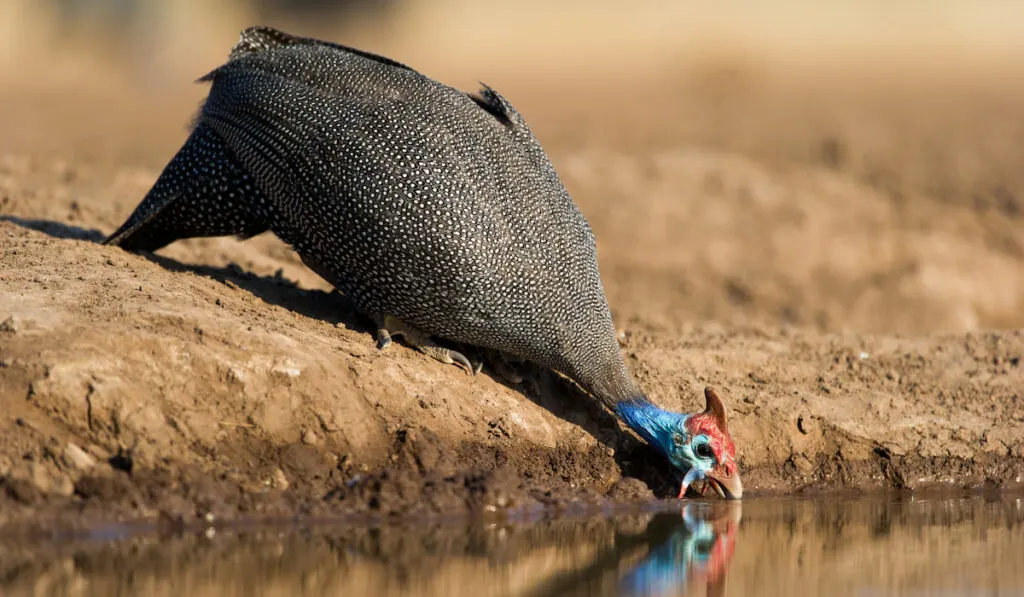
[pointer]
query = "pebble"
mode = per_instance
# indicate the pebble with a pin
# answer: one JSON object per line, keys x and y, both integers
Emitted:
{"x": 50, "y": 482}
{"x": 78, "y": 458}
{"x": 11, "y": 325}
{"x": 310, "y": 438}
{"x": 278, "y": 480}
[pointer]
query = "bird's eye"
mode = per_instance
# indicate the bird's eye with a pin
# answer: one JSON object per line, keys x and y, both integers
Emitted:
{"x": 704, "y": 451}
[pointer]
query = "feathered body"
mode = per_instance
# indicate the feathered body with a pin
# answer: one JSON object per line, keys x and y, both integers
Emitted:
{"x": 414, "y": 199}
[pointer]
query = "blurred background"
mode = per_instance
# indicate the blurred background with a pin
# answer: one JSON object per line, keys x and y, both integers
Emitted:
{"x": 845, "y": 166}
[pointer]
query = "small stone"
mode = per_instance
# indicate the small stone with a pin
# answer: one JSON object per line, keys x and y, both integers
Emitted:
{"x": 11, "y": 325}
{"x": 50, "y": 482}
{"x": 62, "y": 485}
{"x": 235, "y": 375}
{"x": 287, "y": 368}
{"x": 39, "y": 477}
{"x": 310, "y": 438}
{"x": 20, "y": 490}
{"x": 78, "y": 458}
{"x": 278, "y": 480}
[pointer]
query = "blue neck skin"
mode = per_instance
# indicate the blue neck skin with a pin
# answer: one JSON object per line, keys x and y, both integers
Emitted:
{"x": 652, "y": 423}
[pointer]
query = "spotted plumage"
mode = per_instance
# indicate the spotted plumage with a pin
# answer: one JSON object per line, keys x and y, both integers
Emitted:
{"x": 425, "y": 205}
{"x": 202, "y": 192}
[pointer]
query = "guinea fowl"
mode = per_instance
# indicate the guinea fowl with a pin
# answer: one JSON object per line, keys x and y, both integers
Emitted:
{"x": 436, "y": 212}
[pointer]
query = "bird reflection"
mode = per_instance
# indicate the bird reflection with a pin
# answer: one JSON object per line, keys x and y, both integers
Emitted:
{"x": 698, "y": 550}
{"x": 672, "y": 555}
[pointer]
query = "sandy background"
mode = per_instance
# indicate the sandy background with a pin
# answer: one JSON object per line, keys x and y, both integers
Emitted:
{"x": 819, "y": 210}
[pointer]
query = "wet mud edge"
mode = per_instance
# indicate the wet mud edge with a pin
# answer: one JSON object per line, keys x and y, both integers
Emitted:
{"x": 425, "y": 478}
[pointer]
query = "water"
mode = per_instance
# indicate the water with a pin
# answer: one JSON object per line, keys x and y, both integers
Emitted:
{"x": 827, "y": 546}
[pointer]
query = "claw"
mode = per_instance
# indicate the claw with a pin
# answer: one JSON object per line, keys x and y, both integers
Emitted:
{"x": 447, "y": 356}
{"x": 389, "y": 327}
{"x": 462, "y": 361}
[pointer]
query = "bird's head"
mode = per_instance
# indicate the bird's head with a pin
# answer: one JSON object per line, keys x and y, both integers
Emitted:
{"x": 698, "y": 445}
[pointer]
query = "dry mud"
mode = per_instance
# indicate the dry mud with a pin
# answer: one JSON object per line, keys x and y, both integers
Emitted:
{"x": 844, "y": 259}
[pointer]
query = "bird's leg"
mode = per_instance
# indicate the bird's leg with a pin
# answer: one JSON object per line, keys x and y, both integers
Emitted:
{"x": 389, "y": 327}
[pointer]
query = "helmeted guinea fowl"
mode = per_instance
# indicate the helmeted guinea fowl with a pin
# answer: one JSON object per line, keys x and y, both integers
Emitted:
{"x": 436, "y": 212}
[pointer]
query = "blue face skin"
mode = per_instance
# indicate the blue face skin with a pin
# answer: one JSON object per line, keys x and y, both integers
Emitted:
{"x": 666, "y": 431}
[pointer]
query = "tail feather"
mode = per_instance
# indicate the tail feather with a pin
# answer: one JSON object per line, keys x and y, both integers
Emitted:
{"x": 203, "y": 191}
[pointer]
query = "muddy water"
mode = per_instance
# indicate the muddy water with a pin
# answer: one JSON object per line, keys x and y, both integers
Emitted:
{"x": 828, "y": 546}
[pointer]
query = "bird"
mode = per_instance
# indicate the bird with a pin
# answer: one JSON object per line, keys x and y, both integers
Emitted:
{"x": 435, "y": 211}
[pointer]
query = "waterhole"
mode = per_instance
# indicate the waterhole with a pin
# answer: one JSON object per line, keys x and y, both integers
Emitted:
{"x": 822, "y": 546}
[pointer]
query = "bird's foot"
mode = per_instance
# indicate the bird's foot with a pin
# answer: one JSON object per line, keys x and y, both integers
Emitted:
{"x": 449, "y": 356}
{"x": 389, "y": 327}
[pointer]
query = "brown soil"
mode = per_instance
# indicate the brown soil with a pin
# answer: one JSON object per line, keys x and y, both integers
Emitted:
{"x": 844, "y": 258}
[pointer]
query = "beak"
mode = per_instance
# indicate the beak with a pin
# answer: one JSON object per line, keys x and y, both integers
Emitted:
{"x": 728, "y": 487}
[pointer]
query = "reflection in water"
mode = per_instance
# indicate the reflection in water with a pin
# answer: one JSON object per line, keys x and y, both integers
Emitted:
{"x": 780, "y": 547}
{"x": 672, "y": 553}
{"x": 701, "y": 548}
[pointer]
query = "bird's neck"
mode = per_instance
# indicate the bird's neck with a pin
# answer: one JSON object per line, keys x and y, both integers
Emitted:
{"x": 652, "y": 423}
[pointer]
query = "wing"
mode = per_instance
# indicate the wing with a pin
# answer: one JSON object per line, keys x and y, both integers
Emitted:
{"x": 422, "y": 201}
